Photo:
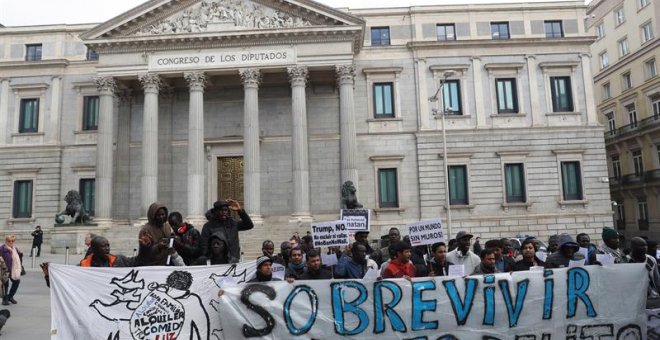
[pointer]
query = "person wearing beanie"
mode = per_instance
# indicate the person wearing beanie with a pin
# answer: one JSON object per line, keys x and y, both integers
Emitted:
{"x": 553, "y": 244}
{"x": 567, "y": 252}
{"x": 610, "y": 245}
{"x": 264, "y": 270}
{"x": 220, "y": 220}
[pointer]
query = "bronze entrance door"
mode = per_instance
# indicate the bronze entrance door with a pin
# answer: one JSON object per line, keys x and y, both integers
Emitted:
{"x": 230, "y": 178}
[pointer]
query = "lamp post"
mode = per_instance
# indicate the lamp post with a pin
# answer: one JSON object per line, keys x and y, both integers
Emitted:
{"x": 442, "y": 113}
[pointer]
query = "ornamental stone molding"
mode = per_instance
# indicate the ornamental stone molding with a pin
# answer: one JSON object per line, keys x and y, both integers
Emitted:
{"x": 105, "y": 84}
{"x": 224, "y": 15}
{"x": 250, "y": 77}
{"x": 150, "y": 81}
{"x": 196, "y": 80}
{"x": 298, "y": 75}
{"x": 345, "y": 74}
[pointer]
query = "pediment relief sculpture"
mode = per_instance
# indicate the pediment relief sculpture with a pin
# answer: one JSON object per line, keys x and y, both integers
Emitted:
{"x": 224, "y": 15}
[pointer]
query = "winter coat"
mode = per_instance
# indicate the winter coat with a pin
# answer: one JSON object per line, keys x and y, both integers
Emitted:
{"x": 323, "y": 274}
{"x": 158, "y": 254}
{"x": 523, "y": 265}
{"x": 208, "y": 254}
{"x": 481, "y": 269}
{"x": 557, "y": 260}
{"x": 38, "y": 237}
{"x": 189, "y": 248}
{"x": 439, "y": 270}
{"x": 230, "y": 229}
{"x": 6, "y": 255}
{"x": 396, "y": 270}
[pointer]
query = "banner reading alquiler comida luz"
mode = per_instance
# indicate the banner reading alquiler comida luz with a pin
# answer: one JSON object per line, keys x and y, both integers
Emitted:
{"x": 159, "y": 303}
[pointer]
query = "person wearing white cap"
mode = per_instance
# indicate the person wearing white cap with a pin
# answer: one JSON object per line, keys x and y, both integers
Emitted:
{"x": 462, "y": 255}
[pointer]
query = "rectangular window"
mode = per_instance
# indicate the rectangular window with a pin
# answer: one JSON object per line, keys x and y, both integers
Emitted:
{"x": 380, "y": 36}
{"x": 643, "y": 211}
{"x": 458, "y": 185}
{"x": 611, "y": 122}
{"x": 87, "y": 193}
{"x": 553, "y": 29}
{"x": 638, "y": 163}
{"x": 388, "y": 196}
{"x": 604, "y": 60}
{"x": 571, "y": 181}
{"x": 627, "y": 81}
{"x": 33, "y": 52}
{"x": 616, "y": 167}
{"x": 451, "y": 97}
{"x": 620, "y": 215}
{"x": 507, "y": 98}
{"x": 607, "y": 91}
{"x": 562, "y": 97}
{"x": 90, "y": 113}
{"x": 22, "y": 204}
{"x": 651, "y": 69}
{"x": 383, "y": 100}
{"x": 499, "y": 30}
{"x": 29, "y": 115}
{"x": 623, "y": 47}
{"x": 600, "y": 30}
{"x": 515, "y": 183}
{"x": 632, "y": 115}
{"x": 619, "y": 16}
{"x": 647, "y": 32}
{"x": 91, "y": 55}
{"x": 656, "y": 108}
{"x": 446, "y": 31}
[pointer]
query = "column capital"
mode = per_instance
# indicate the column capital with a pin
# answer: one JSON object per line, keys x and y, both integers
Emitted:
{"x": 196, "y": 80}
{"x": 298, "y": 75}
{"x": 250, "y": 77}
{"x": 345, "y": 74}
{"x": 150, "y": 82}
{"x": 106, "y": 85}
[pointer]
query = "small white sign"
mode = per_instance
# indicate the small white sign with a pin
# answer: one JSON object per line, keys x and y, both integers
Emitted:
{"x": 605, "y": 259}
{"x": 541, "y": 255}
{"x": 278, "y": 271}
{"x": 329, "y": 259}
{"x": 578, "y": 263}
{"x": 371, "y": 275}
{"x": 456, "y": 270}
{"x": 426, "y": 232}
{"x": 536, "y": 269}
{"x": 329, "y": 234}
{"x": 356, "y": 219}
{"x": 585, "y": 253}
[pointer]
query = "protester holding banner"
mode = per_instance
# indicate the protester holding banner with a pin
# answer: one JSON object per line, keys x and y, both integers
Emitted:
{"x": 362, "y": 237}
{"x": 315, "y": 271}
{"x": 553, "y": 244}
{"x": 638, "y": 254}
{"x": 438, "y": 265}
{"x": 503, "y": 262}
{"x": 187, "y": 243}
{"x": 264, "y": 270}
{"x": 529, "y": 259}
{"x": 296, "y": 266}
{"x": 462, "y": 254}
{"x": 216, "y": 252}
{"x": 400, "y": 266}
{"x": 487, "y": 264}
{"x": 610, "y": 245}
{"x": 356, "y": 265}
{"x": 222, "y": 221}
{"x": 283, "y": 257}
{"x": 567, "y": 252}
{"x": 584, "y": 241}
{"x": 382, "y": 255}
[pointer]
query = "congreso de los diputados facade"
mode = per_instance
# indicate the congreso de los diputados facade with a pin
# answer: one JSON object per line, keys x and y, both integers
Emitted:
{"x": 276, "y": 103}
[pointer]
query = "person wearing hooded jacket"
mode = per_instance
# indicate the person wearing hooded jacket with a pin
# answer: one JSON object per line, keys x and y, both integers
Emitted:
{"x": 187, "y": 241}
{"x": 221, "y": 221}
{"x": 159, "y": 230}
{"x": 567, "y": 252}
{"x": 216, "y": 252}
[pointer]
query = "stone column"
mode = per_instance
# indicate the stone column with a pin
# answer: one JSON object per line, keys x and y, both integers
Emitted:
{"x": 4, "y": 110}
{"x": 348, "y": 138}
{"x": 104, "y": 149}
{"x": 534, "y": 97}
{"x": 53, "y": 129}
{"x": 151, "y": 83}
{"x": 196, "y": 158}
{"x": 480, "y": 110}
{"x": 592, "y": 115}
{"x": 251, "y": 157}
{"x": 299, "y": 149}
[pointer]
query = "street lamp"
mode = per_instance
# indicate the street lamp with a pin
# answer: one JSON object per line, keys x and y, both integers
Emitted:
{"x": 442, "y": 112}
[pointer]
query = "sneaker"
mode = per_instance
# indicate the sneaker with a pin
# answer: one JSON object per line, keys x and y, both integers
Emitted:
{"x": 13, "y": 301}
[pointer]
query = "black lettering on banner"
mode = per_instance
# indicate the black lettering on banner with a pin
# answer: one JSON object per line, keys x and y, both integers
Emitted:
{"x": 595, "y": 332}
{"x": 115, "y": 337}
{"x": 251, "y": 332}
{"x": 489, "y": 337}
{"x": 630, "y": 332}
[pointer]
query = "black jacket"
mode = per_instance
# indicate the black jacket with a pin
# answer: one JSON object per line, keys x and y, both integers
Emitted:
{"x": 322, "y": 274}
{"x": 189, "y": 247}
{"x": 230, "y": 229}
{"x": 523, "y": 265}
{"x": 38, "y": 237}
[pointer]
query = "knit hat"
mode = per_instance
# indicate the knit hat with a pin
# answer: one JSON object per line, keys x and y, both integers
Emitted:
{"x": 565, "y": 240}
{"x": 609, "y": 233}
{"x": 220, "y": 204}
{"x": 263, "y": 259}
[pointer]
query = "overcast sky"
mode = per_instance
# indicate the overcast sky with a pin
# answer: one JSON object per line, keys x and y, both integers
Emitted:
{"x": 42, "y": 12}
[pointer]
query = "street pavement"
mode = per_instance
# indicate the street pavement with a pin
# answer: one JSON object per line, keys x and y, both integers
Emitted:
{"x": 30, "y": 318}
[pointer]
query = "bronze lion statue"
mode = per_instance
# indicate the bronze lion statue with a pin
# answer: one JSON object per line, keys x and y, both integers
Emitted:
{"x": 74, "y": 209}
{"x": 348, "y": 197}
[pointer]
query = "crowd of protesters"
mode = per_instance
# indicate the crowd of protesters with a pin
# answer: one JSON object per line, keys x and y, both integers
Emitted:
{"x": 167, "y": 240}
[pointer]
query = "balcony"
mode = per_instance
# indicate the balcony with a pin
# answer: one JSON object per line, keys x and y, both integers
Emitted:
{"x": 651, "y": 177}
{"x": 630, "y": 129}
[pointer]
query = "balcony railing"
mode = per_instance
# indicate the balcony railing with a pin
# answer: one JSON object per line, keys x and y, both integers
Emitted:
{"x": 642, "y": 124}
{"x": 647, "y": 177}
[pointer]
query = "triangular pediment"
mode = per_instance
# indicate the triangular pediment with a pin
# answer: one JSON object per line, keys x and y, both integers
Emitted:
{"x": 159, "y": 18}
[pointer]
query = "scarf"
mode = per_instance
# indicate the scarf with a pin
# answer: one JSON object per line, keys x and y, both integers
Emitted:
{"x": 264, "y": 278}
{"x": 615, "y": 253}
{"x": 297, "y": 267}
{"x": 15, "y": 264}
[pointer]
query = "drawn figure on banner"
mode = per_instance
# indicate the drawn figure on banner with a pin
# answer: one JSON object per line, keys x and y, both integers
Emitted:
{"x": 163, "y": 312}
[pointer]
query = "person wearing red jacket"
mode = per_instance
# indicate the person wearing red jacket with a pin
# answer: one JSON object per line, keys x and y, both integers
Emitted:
{"x": 401, "y": 267}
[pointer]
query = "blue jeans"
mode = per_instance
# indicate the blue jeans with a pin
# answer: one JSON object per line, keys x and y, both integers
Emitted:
{"x": 9, "y": 294}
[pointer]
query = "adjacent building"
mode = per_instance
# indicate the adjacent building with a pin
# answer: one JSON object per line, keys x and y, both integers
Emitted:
{"x": 628, "y": 99}
{"x": 277, "y": 103}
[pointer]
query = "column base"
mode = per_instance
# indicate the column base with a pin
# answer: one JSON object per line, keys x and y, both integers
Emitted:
{"x": 301, "y": 218}
{"x": 104, "y": 222}
{"x": 257, "y": 219}
{"x": 140, "y": 222}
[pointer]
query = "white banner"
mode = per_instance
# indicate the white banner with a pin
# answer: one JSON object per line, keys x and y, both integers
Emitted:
{"x": 154, "y": 303}
{"x": 329, "y": 234}
{"x": 590, "y": 302}
{"x": 426, "y": 232}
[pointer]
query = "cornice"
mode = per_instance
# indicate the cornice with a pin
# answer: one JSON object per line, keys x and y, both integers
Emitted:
{"x": 35, "y": 64}
{"x": 446, "y": 44}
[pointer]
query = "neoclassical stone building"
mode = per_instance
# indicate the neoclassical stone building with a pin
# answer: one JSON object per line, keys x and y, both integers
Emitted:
{"x": 277, "y": 103}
